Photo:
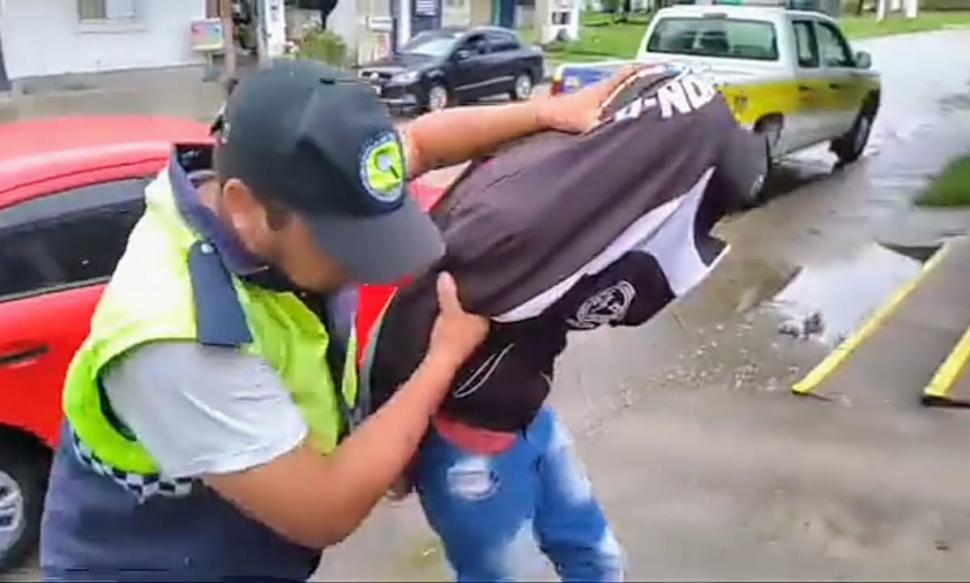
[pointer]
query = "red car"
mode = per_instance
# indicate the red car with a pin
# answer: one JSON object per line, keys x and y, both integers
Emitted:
{"x": 70, "y": 192}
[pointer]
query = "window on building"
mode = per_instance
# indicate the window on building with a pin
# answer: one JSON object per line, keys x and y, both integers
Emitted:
{"x": 107, "y": 10}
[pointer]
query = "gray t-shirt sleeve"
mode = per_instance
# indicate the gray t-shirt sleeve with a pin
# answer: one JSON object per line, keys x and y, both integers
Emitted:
{"x": 203, "y": 410}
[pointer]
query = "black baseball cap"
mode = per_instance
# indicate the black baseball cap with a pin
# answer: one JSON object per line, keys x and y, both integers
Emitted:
{"x": 317, "y": 141}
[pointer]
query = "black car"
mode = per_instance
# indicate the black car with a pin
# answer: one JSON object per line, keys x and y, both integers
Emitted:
{"x": 447, "y": 66}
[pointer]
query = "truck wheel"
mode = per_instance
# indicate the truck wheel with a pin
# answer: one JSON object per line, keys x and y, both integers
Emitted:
{"x": 849, "y": 147}
{"x": 770, "y": 129}
{"x": 522, "y": 90}
{"x": 438, "y": 98}
{"x": 23, "y": 481}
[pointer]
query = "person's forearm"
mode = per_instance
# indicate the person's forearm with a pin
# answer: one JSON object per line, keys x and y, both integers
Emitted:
{"x": 457, "y": 135}
{"x": 375, "y": 454}
{"x": 453, "y": 136}
{"x": 318, "y": 500}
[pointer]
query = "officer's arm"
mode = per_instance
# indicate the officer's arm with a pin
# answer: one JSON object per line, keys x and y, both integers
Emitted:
{"x": 457, "y": 135}
{"x": 317, "y": 501}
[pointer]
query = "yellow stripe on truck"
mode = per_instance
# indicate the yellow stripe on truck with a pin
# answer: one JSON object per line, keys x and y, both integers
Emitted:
{"x": 751, "y": 102}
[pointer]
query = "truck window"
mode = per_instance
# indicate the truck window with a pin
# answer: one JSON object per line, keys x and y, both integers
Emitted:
{"x": 805, "y": 45}
{"x": 715, "y": 37}
{"x": 832, "y": 47}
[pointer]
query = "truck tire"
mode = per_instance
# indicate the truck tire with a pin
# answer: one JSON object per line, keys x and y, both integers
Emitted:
{"x": 23, "y": 482}
{"x": 850, "y": 147}
{"x": 770, "y": 128}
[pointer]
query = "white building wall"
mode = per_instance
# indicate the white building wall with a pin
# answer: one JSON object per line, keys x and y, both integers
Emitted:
{"x": 273, "y": 27}
{"x": 345, "y": 22}
{"x": 456, "y": 13}
{"x": 45, "y": 37}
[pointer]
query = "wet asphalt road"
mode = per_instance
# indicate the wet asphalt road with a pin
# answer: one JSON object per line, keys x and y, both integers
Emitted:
{"x": 707, "y": 467}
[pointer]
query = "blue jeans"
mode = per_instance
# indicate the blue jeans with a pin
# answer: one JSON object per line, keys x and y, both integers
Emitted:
{"x": 494, "y": 513}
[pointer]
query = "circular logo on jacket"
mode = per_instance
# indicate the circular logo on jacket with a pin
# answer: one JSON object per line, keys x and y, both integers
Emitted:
{"x": 608, "y": 306}
{"x": 382, "y": 168}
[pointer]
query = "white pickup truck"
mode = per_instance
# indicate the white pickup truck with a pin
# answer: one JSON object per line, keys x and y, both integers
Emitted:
{"x": 788, "y": 74}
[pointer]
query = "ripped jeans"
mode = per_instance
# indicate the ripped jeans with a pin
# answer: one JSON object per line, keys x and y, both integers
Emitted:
{"x": 494, "y": 513}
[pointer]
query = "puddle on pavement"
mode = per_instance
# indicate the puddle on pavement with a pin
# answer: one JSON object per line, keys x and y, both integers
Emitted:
{"x": 827, "y": 302}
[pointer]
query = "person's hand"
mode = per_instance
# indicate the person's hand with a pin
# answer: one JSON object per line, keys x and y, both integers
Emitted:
{"x": 456, "y": 333}
{"x": 400, "y": 489}
{"x": 580, "y": 112}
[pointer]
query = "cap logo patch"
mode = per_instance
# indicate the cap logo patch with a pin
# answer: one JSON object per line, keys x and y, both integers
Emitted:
{"x": 382, "y": 168}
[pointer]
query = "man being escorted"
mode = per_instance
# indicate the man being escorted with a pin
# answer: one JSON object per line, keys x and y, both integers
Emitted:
{"x": 209, "y": 412}
{"x": 554, "y": 235}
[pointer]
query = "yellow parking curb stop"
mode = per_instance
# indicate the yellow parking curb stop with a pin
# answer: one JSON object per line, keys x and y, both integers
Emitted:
{"x": 837, "y": 357}
{"x": 939, "y": 390}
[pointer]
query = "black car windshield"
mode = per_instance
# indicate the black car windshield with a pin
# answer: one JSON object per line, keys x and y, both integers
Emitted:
{"x": 431, "y": 44}
{"x": 715, "y": 37}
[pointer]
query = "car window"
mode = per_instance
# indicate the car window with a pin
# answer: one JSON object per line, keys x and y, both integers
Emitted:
{"x": 715, "y": 37}
{"x": 502, "y": 41}
{"x": 475, "y": 45}
{"x": 430, "y": 43}
{"x": 805, "y": 45}
{"x": 833, "y": 49}
{"x": 67, "y": 239}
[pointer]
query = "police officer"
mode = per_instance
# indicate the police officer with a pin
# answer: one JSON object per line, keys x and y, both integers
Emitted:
{"x": 209, "y": 411}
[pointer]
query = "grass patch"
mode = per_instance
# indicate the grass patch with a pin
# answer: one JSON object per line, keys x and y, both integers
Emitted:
{"x": 951, "y": 188}
{"x": 867, "y": 26}
{"x": 601, "y": 38}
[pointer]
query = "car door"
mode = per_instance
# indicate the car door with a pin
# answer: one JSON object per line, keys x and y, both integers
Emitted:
{"x": 840, "y": 74}
{"x": 503, "y": 49}
{"x": 471, "y": 67}
{"x": 56, "y": 253}
{"x": 811, "y": 122}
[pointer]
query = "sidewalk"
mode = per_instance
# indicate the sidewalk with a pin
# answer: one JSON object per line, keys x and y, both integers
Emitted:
{"x": 178, "y": 91}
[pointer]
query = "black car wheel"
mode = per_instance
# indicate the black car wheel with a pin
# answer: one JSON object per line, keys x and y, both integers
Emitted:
{"x": 438, "y": 97}
{"x": 522, "y": 89}
{"x": 23, "y": 479}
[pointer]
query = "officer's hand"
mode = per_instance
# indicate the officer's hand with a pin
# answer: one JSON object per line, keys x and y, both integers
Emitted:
{"x": 400, "y": 489}
{"x": 456, "y": 333}
{"x": 580, "y": 112}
